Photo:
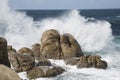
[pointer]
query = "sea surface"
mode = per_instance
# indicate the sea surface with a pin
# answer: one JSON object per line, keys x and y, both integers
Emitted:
{"x": 97, "y": 31}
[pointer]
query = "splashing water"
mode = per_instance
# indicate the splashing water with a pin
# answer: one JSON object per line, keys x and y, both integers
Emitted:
{"x": 21, "y": 30}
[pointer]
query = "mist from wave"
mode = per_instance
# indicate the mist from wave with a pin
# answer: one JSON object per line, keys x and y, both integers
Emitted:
{"x": 93, "y": 35}
{"x": 21, "y": 30}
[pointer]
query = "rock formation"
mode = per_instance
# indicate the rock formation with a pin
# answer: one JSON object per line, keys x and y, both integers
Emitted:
{"x": 70, "y": 47}
{"x": 50, "y": 45}
{"x": 44, "y": 71}
{"x": 43, "y": 62}
{"x": 36, "y": 50}
{"x": 23, "y": 60}
{"x": 71, "y": 61}
{"x": 91, "y": 61}
{"x": 3, "y": 52}
{"x": 87, "y": 62}
{"x": 26, "y": 51}
{"x": 54, "y": 46}
{"x": 8, "y": 74}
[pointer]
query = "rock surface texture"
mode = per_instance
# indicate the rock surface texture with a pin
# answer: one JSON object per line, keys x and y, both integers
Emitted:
{"x": 70, "y": 47}
{"x": 44, "y": 71}
{"x": 56, "y": 46}
{"x": 91, "y": 61}
{"x": 8, "y": 74}
{"x": 23, "y": 60}
{"x": 36, "y": 50}
{"x": 50, "y": 45}
{"x": 3, "y": 52}
{"x": 87, "y": 62}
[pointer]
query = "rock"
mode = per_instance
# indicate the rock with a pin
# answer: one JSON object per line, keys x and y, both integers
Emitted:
{"x": 50, "y": 34}
{"x": 52, "y": 72}
{"x": 26, "y": 62}
{"x": 70, "y": 47}
{"x": 9, "y": 47}
{"x": 26, "y": 51}
{"x": 83, "y": 63}
{"x": 36, "y": 50}
{"x": 54, "y": 46}
{"x": 3, "y": 52}
{"x": 71, "y": 61}
{"x": 44, "y": 71}
{"x": 44, "y": 62}
{"x": 34, "y": 73}
{"x": 100, "y": 63}
{"x": 23, "y": 60}
{"x": 91, "y": 61}
{"x": 50, "y": 45}
{"x": 12, "y": 57}
{"x": 8, "y": 74}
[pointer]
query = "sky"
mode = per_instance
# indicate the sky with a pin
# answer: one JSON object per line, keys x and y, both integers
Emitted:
{"x": 64, "y": 4}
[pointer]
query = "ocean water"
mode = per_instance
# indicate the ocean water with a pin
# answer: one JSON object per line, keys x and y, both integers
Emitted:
{"x": 97, "y": 31}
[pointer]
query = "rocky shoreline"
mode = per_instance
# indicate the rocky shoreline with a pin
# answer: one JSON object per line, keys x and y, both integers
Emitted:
{"x": 36, "y": 62}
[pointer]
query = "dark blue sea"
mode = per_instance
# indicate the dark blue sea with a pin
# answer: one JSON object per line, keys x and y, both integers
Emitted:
{"x": 97, "y": 31}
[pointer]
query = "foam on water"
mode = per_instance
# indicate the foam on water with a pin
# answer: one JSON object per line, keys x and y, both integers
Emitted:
{"x": 23, "y": 31}
{"x": 93, "y": 35}
{"x": 73, "y": 73}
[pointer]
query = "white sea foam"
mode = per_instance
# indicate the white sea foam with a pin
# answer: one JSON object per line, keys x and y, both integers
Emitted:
{"x": 94, "y": 35}
{"x": 22, "y": 31}
{"x": 73, "y": 73}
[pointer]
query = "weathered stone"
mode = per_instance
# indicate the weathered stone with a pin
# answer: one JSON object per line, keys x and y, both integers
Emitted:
{"x": 50, "y": 34}
{"x": 36, "y": 50}
{"x": 14, "y": 62}
{"x": 71, "y": 61}
{"x": 26, "y": 51}
{"x": 43, "y": 62}
{"x": 50, "y": 44}
{"x": 8, "y": 74}
{"x": 12, "y": 57}
{"x": 44, "y": 71}
{"x": 70, "y": 47}
{"x": 26, "y": 62}
{"x": 9, "y": 47}
{"x": 83, "y": 63}
{"x": 54, "y": 71}
{"x": 91, "y": 61}
{"x": 101, "y": 63}
{"x": 3, "y": 52}
{"x": 34, "y": 73}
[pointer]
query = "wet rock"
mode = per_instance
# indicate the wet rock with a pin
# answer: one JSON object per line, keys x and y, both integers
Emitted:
{"x": 43, "y": 62}
{"x": 100, "y": 63}
{"x": 50, "y": 45}
{"x": 12, "y": 57}
{"x": 44, "y": 71}
{"x": 26, "y": 62}
{"x": 3, "y": 52}
{"x": 70, "y": 47}
{"x": 54, "y": 71}
{"x": 8, "y": 74}
{"x": 71, "y": 61}
{"x": 91, "y": 61}
{"x": 54, "y": 46}
{"x": 26, "y": 51}
{"x": 34, "y": 73}
{"x": 23, "y": 60}
{"x": 36, "y": 50}
{"x": 83, "y": 63}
